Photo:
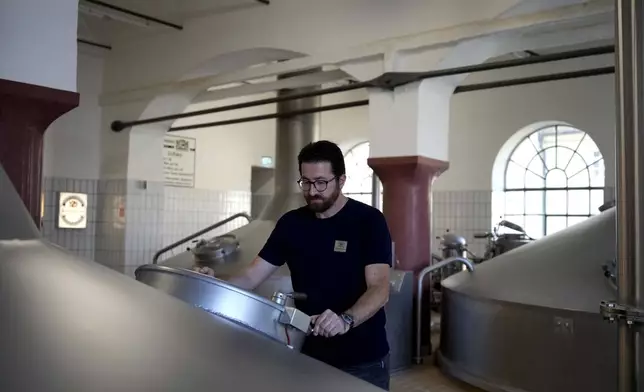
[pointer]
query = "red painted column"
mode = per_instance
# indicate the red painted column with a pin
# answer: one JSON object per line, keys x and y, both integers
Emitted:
{"x": 407, "y": 206}
{"x": 407, "y": 183}
{"x": 26, "y": 111}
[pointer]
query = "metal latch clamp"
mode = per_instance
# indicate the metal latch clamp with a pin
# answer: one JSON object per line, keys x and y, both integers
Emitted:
{"x": 612, "y": 311}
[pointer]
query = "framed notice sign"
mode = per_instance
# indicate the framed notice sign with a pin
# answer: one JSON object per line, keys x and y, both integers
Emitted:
{"x": 72, "y": 210}
{"x": 179, "y": 155}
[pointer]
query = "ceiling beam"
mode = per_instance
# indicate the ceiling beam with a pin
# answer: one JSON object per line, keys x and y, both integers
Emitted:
{"x": 570, "y": 15}
{"x": 134, "y": 13}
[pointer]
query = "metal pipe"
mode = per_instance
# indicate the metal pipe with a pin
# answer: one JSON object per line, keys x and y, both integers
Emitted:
{"x": 387, "y": 80}
{"x": 92, "y": 43}
{"x": 231, "y": 218}
{"x": 629, "y": 84}
{"x": 279, "y": 114}
{"x": 375, "y": 190}
{"x": 535, "y": 79}
{"x": 292, "y": 133}
{"x": 118, "y": 126}
{"x": 419, "y": 308}
{"x": 460, "y": 89}
{"x": 410, "y": 77}
{"x": 134, "y": 13}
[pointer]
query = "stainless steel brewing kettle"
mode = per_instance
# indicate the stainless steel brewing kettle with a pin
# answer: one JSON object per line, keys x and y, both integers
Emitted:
{"x": 275, "y": 319}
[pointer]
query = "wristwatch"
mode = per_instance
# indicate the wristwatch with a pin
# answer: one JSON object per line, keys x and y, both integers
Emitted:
{"x": 347, "y": 318}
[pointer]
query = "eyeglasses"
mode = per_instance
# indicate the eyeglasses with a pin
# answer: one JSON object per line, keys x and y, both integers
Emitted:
{"x": 320, "y": 185}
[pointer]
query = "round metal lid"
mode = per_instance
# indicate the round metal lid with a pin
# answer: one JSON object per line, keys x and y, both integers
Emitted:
{"x": 186, "y": 273}
{"x": 450, "y": 239}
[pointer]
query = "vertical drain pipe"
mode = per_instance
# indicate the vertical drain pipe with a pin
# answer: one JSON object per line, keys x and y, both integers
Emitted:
{"x": 630, "y": 184}
{"x": 291, "y": 134}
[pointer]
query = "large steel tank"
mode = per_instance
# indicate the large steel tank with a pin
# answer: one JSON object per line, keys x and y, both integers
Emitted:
{"x": 528, "y": 320}
{"x": 71, "y": 324}
{"x": 272, "y": 318}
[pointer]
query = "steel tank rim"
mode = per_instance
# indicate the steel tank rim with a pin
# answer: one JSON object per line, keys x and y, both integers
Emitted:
{"x": 453, "y": 292}
{"x": 186, "y": 273}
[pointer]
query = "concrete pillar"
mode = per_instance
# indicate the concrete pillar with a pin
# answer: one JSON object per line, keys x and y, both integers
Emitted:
{"x": 409, "y": 145}
{"x": 37, "y": 85}
{"x": 409, "y": 134}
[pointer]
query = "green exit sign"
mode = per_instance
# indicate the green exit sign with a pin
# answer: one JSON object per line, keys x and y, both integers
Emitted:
{"x": 267, "y": 161}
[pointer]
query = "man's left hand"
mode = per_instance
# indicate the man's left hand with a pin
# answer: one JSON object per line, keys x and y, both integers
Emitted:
{"x": 328, "y": 324}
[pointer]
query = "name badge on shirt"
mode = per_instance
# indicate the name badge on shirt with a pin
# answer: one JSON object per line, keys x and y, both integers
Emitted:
{"x": 340, "y": 246}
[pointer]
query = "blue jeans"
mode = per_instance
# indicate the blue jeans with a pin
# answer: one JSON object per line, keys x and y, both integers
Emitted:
{"x": 376, "y": 373}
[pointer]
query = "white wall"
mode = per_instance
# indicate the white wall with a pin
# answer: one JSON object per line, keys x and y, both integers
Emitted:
{"x": 225, "y": 154}
{"x": 480, "y": 123}
{"x": 38, "y": 42}
{"x": 72, "y": 142}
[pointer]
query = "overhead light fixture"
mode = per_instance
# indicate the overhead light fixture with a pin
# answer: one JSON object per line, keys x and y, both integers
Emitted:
{"x": 225, "y": 86}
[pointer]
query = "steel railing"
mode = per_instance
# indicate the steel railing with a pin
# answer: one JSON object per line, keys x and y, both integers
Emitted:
{"x": 419, "y": 302}
{"x": 197, "y": 234}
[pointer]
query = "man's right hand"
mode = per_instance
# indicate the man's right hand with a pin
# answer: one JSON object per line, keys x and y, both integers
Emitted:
{"x": 204, "y": 270}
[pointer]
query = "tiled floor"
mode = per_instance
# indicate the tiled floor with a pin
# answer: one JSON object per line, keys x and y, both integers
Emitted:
{"x": 426, "y": 378}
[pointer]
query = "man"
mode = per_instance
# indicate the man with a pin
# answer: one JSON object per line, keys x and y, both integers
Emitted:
{"x": 339, "y": 253}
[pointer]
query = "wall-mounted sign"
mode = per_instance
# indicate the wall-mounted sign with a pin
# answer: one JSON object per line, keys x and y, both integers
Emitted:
{"x": 118, "y": 208}
{"x": 72, "y": 210}
{"x": 179, "y": 154}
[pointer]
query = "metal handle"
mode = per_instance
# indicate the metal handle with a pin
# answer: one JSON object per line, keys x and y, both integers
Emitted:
{"x": 280, "y": 297}
{"x": 298, "y": 296}
{"x": 419, "y": 307}
{"x": 197, "y": 234}
{"x": 512, "y": 226}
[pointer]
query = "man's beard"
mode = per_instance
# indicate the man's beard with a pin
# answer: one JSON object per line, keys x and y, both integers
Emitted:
{"x": 319, "y": 203}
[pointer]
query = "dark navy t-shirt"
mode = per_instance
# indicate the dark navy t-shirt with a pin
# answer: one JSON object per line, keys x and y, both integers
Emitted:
{"x": 327, "y": 258}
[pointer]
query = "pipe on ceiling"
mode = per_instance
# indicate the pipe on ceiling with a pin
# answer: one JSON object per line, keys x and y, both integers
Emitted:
{"x": 92, "y": 43}
{"x": 386, "y": 81}
{"x": 293, "y": 132}
{"x": 278, "y": 115}
{"x": 535, "y": 79}
{"x": 134, "y": 13}
{"x": 365, "y": 102}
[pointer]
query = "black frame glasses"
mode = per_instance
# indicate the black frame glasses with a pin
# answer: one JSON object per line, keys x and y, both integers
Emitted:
{"x": 319, "y": 185}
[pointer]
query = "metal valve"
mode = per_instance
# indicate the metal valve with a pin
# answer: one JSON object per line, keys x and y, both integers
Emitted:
{"x": 612, "y": 311}
{"x": 280, "y": 298}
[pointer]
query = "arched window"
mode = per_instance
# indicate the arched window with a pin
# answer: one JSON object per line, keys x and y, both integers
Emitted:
{"x": 553, "y": 179}
{"x": 359, "y": 184}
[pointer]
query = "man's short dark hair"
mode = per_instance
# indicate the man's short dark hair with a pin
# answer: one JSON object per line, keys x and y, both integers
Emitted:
{"x": 323, "y": 151}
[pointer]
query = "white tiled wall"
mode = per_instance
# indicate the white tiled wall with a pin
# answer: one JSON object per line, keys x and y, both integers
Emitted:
{"x": 463, "y": 213}
{"x": 187, "y": 211}
{"x": 131, "y": 220}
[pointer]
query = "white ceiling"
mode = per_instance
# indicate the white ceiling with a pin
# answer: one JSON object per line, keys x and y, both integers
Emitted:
{"x": 106, "y": 30}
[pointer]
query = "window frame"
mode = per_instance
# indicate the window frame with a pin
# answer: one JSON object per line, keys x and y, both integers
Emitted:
{"x": 540, "y": 153}
{"x": 376, "y": 186}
